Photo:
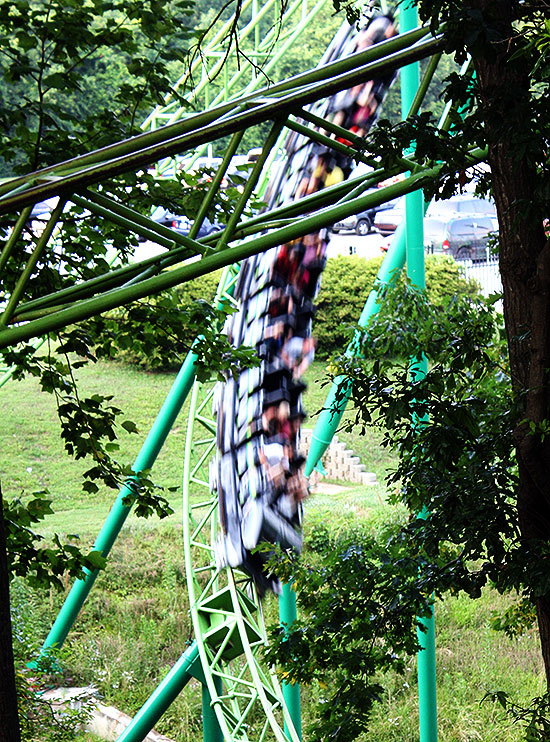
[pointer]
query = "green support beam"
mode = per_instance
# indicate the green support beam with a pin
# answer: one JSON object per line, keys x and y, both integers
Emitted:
{"x": 127, "y": 294}
{"x": 211, "y": 730}
{"x": 163, "y": 695}
{"x": 121, "y": 508}
{"x": 414, "y": 221}
{"x": 277, "y": 101}
{"x": 291, "y": 693}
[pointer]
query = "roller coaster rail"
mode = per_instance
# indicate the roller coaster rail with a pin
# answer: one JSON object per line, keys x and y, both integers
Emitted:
{"x": 111, "y": 290}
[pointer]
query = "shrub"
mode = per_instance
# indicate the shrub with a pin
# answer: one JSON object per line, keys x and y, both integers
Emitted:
{"x": 347, "y": 282}
{"x": 164, "y": 337}
{"x": 203, "y": 287}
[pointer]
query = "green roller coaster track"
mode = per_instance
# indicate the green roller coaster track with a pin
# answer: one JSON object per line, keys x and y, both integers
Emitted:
{"x": 241, "y": 699}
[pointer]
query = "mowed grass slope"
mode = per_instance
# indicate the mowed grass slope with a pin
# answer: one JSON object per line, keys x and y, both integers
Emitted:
{"x": 34, "y": 459}
{"x": 135, "y": 624}
{"x": 33, "y": 456}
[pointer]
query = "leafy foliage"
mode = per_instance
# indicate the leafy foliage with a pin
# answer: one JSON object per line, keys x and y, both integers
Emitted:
{"x": 167, "y": 331}
{"x": 29, "y": 556}
{"x": 158, "y": 332}
{"x": 89, "y": 425}
{"x": 357, "y": 623}
{"x": 50, "y": 52}
{"x": 347, "y": 282}
{"x": 453, "y": 430}
{"x": 534, "y": 718}
{"x": 454, "y": 433}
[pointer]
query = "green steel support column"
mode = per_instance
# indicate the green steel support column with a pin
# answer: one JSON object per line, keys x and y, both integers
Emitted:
{"x": 118, "y": 513}
{"x": 414, "y": 219}
{"x": 161, "y": 698}
{"x": 291, "y": 693}
{"x": 340, "y": 391}
{"x": 15, "y": 234}
{"x": 211, "y": 730}
{"x": 427, "y": 686}
{"x": 41, "y": 245}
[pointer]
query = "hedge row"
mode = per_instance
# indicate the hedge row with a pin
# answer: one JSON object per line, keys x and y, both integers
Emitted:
{"x": 346, "y": 283}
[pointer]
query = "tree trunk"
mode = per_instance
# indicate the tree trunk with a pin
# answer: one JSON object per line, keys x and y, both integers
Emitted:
{"x": 9, "y": 720}
{"x": 524, "y": 255}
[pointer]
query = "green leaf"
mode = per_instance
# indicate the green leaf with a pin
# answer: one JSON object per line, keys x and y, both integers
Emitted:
{"x": 129, "y": 426}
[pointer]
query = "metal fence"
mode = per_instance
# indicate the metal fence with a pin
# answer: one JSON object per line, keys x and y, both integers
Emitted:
{"x": 486, "y": 274}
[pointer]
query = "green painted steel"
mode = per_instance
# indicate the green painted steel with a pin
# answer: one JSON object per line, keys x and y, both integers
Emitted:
{"x": 39, "y": 248}
{"x": 161, "y": 698}
{"x": 127, "y": 294}
{"x": 416, "y": 102}
{"x": 340, "y": 391}
{"x": 279, "y": 100}
{"x": 14, "y": 236}
{"x": 120, "y": 510}
{"x": 211, "y": 730}
{"x": 224, "y": 605}
{"x": 266, "y": 51}
{"x": 289, "y": 23}
{"x": 216, "y": 183}
{"x": 227, "y": 234}
{"x": 427, "y": 686}
{"x": 414, "y": 220}
{"x": 281, "y": 216}
{"x": 291, "y": 693}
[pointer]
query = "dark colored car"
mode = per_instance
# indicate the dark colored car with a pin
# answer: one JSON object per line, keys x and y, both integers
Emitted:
{"x": 182, "y": 224}
{"x": 463, "y": 237}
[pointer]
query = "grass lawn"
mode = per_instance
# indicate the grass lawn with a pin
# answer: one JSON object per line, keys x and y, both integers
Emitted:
{"x": 135, "y": 623}
{"x": 37, "y": 461}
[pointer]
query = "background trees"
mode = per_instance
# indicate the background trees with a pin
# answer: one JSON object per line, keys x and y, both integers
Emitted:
{"x": 76, "y": 76}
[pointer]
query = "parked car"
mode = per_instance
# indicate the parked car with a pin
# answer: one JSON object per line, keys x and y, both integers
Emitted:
{"x": 363, "y": 222}
{"x": 463, "y": 237}
{"x": 181, "y": 224}
{"x": 464, "y": 203}
{"x": 387, "y": 220}
{"x": 359, "y": 223}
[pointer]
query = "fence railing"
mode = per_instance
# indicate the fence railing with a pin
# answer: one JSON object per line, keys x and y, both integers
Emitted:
{"x": 486, "y": 274}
